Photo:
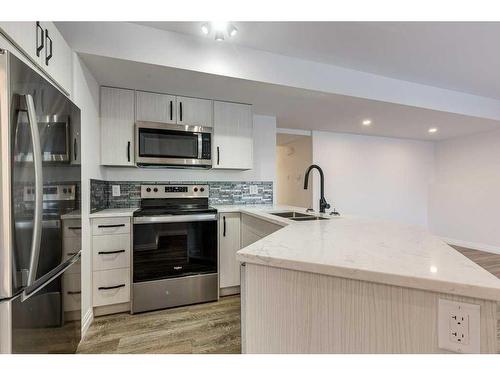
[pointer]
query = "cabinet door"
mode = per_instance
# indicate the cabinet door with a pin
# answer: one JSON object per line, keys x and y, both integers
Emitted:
{"x": 117, "y": 127}
{"x": 232, "y": 144}
{"x": 193, "y": 111}
{"x": 57, "y": 57}
{"x": 28, "y": 37}
{"x": 229, "y": 244}
{"x": 155, "y": 107}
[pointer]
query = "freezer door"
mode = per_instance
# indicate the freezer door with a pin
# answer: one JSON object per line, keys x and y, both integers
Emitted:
{"x": 48, "y": 320}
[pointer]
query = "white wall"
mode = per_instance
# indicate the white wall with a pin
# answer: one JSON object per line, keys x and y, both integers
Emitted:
{"x": 377, "y": 177}
{"x": 292, "y": 160}
{"x": 264, "y": 163}
{"x": 86, "y": 97}
{"x": 465, "y": 199}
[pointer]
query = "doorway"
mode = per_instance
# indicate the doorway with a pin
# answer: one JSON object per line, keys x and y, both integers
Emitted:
{"x": 293, "y": 156}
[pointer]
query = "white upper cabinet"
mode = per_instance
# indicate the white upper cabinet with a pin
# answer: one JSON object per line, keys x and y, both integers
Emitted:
{"x": 193, "y": 111}
{"x": 44, "y": 45}
{"x": 155, "y": 107}
{"x": 117, "y": 127}
{"x": 57, "y": 57}
{"x": 232, "y": 144}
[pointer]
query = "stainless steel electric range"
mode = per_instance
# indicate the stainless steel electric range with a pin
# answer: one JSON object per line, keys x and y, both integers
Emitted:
{"x": 175, "y": 248}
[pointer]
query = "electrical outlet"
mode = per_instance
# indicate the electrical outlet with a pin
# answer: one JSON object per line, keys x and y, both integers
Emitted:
{"x": 254, "y": 189}
{"x": 459, "y": 326}
{"x": 116, "y": 190}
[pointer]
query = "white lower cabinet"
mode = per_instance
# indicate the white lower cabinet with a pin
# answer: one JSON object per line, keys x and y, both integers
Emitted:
{"x": 111, "y": 287}
{"x": 229, "y": 244}
{"x": 111, "y": 253}
{"x": 72, "y": 278}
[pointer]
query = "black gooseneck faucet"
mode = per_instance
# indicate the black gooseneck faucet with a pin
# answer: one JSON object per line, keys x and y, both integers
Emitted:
{"x": 323, "y": 205}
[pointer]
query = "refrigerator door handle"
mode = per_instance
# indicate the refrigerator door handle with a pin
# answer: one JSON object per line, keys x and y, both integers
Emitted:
{"x": 37, "y": 164}
{"x": 49, "y": 277}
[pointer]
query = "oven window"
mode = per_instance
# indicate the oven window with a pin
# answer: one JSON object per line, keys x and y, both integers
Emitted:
{"x": 166, "y": 250}
{"x": 158, "y": 143}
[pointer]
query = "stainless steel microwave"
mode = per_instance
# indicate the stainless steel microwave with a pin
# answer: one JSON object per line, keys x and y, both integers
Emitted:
{"x": 172, "y": 145}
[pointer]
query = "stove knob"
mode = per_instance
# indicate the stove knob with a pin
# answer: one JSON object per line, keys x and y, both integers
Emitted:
{"x": 69, "y": 190}
{"x": 155, "y": 190}
{"x": 195, "y": 189}
{"x": 65, "y": 190}
{"x": 202, "y": 189}
{"x": 148, "y": 190}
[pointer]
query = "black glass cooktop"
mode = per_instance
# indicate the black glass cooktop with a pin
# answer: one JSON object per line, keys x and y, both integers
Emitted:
{"x": 159, "y": 211}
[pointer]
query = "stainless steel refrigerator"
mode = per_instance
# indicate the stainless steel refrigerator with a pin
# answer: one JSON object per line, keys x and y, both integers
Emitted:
{"x": 39, "y": 184}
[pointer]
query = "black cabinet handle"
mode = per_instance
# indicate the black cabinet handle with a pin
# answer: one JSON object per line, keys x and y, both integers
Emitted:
{"x": 110, "y": 225}
{"x": 76, "y": 292}
{"x": 218, "y": 155}
{"x": 224, "y": 230}
{"x": 75, "y": 151}
{"x": 111, "y": 287}
{"x": 171, "y": 110}
{"x": 180, "y": 111}
{"x": 110, "y": 252}
{"x": 39, "y": 37}
{"x": 49, "y": 56}
{"x": 75, "y": 228}
{"x": 128, "y": 150}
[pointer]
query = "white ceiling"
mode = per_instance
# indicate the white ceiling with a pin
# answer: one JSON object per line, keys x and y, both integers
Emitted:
{"x": 462, "y": 56}
{"x": 294, "y": 108}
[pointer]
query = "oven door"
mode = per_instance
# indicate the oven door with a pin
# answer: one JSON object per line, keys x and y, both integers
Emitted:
{"x": 170, "y": 144}
{"x": 54, "y": 139}
{"x": 174, "y": 246}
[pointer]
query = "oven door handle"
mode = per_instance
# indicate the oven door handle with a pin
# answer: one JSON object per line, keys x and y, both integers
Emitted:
{"x": 174, "y": 218}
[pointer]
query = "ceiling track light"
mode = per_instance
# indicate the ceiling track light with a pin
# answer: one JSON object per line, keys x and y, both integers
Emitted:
{"x": 221, "y": 30}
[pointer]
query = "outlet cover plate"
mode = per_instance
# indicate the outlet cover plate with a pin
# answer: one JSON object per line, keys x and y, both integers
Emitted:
{"x": 449, "y": 312}
{"x": 115, "y": 190}
{"x": 254, "y": 189}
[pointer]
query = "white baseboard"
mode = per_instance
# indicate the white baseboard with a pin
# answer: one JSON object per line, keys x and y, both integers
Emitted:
{"x": 87, "y": 321}
{"x": 472, "y": 245}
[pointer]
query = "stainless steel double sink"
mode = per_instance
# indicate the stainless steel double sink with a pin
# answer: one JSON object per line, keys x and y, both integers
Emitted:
{"x": 297, "y": 216}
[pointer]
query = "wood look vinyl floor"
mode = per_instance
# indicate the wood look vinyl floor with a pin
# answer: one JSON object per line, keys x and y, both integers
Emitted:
{"x": 205, "y": 328}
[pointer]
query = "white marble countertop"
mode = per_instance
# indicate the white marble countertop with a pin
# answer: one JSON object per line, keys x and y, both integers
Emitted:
{"x": 113, "y": 212}
{"x": 366, "y": 249}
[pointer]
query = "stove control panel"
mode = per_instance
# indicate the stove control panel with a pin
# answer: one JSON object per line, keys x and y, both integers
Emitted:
{"x": 174, "y": 191}
{"x": 51, "y": 193}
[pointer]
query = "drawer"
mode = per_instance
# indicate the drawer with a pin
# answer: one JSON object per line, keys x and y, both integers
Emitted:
{"x": 112, "y": 251}
{"x": 72, "y": 228}
{"x": 72, "y": 291}
{"x": 111, "y": 287}
{"x": 110, "y": 225}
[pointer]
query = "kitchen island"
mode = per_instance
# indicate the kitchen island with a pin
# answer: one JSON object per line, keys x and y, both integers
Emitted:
{"x": 356, "y": 285}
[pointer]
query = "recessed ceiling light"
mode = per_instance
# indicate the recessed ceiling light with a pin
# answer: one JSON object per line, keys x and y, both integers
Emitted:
{"x": 232, "y": 30}
{"x": 220, "y": 30}
{"x": 205, "y": 28}
{"x": 367, "y": 122}
{"x": 432, "y": 130}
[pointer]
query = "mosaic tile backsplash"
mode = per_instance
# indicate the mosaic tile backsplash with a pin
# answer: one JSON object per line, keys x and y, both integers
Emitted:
{"x": 221, "y": 192}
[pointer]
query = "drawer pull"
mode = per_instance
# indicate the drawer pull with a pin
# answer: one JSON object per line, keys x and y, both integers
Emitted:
{"x": 110, "y": 252}
{"x": 75, "y": 228}
{"x": 110, "y": 225}
{"x": 111, "y": 287}
{"x": 76, "y": 292}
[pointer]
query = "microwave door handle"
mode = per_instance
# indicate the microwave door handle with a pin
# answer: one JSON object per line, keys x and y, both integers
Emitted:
{"x": 37, "y": 164}
{"x": 200, "y": 146}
